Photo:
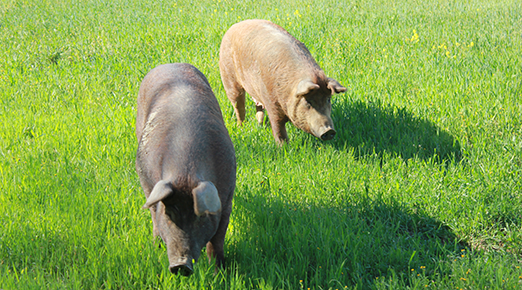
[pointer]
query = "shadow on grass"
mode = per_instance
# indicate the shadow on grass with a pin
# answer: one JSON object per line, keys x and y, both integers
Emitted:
{"x": 373, "y": 127}
{"x": 296, "y": 246}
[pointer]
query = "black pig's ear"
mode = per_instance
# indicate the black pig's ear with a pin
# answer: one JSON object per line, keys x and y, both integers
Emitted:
{"x": 305, "y": 86}
{"x": 161, "y": 190}
{"x": 335, "y": 86}
{"x": 206, "y": 199}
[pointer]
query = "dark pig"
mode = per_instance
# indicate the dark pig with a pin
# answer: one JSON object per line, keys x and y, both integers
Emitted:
{"x": 280, "y": 74}
{"x": 186, "y": 164}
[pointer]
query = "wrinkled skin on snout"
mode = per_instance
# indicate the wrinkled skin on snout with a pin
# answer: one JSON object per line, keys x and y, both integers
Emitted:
{"x": 279, "y": 73}
{"x": 186, "y": 164}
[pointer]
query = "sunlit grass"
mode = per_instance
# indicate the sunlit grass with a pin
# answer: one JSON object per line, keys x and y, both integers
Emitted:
{"x": 421, "y": 187}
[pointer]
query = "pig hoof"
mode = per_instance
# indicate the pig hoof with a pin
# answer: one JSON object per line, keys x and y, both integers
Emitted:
{"x": 328, "y": 135}
{"x": 183, "y": 269}
{"x": 260, "y": 116}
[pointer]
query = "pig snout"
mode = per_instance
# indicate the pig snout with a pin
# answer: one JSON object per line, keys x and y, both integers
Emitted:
{"x": 328, "y": 134}
{"x": 325, "y": 132}
{"x": 182, "y": 266}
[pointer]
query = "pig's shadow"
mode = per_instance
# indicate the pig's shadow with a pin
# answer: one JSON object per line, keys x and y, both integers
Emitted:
{"x": 373, "y": 127}
{"x": 347, "y": 245}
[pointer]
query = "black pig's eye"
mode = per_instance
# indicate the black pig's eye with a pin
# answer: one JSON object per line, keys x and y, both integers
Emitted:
{"x": 172, "y": 212}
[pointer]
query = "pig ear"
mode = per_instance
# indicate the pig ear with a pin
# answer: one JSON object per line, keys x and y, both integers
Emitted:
{"x": 305, "y": 86}
{"x": 161, "y": 190}
{"x": 206, "y": 199}
{"x": 335, "y": 86}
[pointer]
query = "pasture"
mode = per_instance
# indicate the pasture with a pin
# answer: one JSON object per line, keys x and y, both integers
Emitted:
{"x": 420, "y": 189}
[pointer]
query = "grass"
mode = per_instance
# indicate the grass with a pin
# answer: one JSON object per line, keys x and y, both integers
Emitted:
{"x": 420, "y": 189}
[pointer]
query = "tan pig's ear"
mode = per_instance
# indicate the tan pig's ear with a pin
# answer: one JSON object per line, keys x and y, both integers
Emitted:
{"x": 305, "y": 86}
{"x": 335, "y": 86}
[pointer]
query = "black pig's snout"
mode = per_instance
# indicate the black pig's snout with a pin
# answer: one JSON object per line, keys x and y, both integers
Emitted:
{"x": 183, "y": 269}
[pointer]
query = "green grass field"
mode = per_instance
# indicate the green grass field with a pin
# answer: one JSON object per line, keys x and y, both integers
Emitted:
{"x": 420, "y": 189}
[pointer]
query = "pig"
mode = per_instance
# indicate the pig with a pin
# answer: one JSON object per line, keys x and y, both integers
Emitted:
{"x": 186, "y": 164}
{"x": 281, "y": 76}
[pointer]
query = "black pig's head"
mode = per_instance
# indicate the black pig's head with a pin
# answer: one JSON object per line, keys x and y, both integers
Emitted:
{"x": 186, "y": 218}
